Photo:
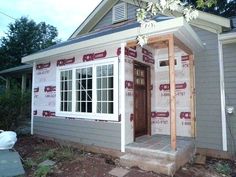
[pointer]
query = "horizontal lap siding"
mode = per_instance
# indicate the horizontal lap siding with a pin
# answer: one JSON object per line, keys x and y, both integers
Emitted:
{"x": 107, "y": 19}
{"x": 208, "y": 108}
{"x": 103, "y": 134}
{"x": 229, "y": 53}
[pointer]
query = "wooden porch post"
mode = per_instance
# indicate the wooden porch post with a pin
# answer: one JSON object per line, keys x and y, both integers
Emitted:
{"x": 171, "y": 54}
{"x": 192, "y": 95}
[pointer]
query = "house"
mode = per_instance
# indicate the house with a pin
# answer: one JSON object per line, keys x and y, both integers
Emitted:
{"x": 163, "y": 100}
{"x": 21, "y": 74}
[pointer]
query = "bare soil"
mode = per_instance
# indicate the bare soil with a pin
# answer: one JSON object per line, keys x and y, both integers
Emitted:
{"x": 77, "y": 163}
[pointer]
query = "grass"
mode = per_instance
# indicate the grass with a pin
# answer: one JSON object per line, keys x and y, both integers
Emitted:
{"x": 223, "y": 168}
{"x": 43, "y": 171}
{"x": 62, "y": 153}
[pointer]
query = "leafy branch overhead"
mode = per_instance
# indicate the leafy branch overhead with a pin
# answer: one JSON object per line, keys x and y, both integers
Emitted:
{"x": 145, "y": 15}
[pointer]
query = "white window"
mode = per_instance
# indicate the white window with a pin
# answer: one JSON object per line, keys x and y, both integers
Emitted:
{"x": 163, "y": 63}
{"x": 89, "y": 90}
{"x": 119, "y": 12}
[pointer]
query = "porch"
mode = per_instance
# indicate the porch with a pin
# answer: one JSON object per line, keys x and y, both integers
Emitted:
{"x": 154, "y": 153}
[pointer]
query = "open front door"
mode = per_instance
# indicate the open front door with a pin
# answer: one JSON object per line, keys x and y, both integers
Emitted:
{"x": 141, "y": 99}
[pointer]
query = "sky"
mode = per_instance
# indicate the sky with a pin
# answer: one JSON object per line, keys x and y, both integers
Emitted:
{"x": 65, "y": 15}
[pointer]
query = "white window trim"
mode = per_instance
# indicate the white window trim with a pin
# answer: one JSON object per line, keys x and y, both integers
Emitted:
{"x": 93, "y": 115}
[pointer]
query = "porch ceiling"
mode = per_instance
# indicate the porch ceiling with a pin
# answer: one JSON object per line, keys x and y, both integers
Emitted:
{"x": 177, "y": 26}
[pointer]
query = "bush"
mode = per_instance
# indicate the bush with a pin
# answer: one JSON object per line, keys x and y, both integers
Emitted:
{"x": 14, "y": 106}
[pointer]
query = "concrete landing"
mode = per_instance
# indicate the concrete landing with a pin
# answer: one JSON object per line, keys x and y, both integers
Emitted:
{"x": 153, "y": 153}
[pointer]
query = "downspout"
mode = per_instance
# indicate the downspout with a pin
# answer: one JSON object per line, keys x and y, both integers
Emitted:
{"x": 32, "y": 101}
{"x": 122, "y": 93}
{"x": 222, "y": 96}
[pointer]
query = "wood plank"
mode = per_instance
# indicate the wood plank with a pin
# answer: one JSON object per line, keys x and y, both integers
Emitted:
{"x": 192, "y": 95}
{"x": 151, "y": 40}
{"x": 182, "y": 46}
{"x": 171, "y": 54}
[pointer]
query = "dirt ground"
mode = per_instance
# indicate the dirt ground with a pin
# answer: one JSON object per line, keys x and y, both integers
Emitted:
{"x": 72, "y": 162}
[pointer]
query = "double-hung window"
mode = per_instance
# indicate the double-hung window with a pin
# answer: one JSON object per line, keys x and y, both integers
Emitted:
{"x": 88, "y": 90}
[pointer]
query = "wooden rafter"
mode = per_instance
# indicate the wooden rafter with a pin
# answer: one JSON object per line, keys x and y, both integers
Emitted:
{"x": 171, "y": 54}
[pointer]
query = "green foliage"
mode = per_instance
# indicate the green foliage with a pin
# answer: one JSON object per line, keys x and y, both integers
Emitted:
{"x": 25, "y": 37}
{"x": 42, "y": 171}
{"x": 14, "y": 106}
{"x": 29, "y": 163}
{"x": 48, "y": 154}
{"x": 206, "y": 3}
{"x": 225, "y": 8}
{"x": 65, "y": 153}
{"x": 223, "y": 168}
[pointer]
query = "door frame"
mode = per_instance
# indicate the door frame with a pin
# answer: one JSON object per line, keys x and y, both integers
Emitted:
{"x": 148, "y": 99}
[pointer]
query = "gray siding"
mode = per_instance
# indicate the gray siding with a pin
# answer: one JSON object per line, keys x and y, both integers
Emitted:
{"x": 103, "y": 134}
{"x": 208, "y": 109}
{"x": 107, "y": 19}
{"x": 229, "y": 53}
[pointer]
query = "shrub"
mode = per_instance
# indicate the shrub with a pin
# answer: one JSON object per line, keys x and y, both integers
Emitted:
{"x": 14, "y": 106}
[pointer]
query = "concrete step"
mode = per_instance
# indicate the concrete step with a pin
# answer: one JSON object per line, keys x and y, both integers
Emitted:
{"x": 153, "y": 153}
{"x": 157, "y": 165}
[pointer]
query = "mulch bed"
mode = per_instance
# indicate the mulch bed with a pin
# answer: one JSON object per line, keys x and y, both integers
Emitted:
{"x": 86, "y": 164}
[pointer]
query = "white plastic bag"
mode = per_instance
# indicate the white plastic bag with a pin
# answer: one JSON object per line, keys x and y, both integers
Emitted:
{"x": 7, "y": 139}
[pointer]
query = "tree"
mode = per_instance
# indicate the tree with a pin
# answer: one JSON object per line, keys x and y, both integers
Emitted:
{"x": 225, "y": 8}
{"x": 25, "y": 37}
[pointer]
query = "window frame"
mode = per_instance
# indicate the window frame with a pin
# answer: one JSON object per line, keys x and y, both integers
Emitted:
{"x": 94, "y": 115}
{"x": 178, "y": 65}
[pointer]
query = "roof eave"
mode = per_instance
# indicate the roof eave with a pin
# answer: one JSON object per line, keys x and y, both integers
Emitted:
{"x": 227, "y": 38}
{"x": 176, "y": 26}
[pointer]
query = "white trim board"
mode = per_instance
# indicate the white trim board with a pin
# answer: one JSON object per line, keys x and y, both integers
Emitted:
{"x": 228, "y": 38}
{"x": 204, "y": 20}
{"x": 222, "y": 96}
{"x": 178, "y": 26}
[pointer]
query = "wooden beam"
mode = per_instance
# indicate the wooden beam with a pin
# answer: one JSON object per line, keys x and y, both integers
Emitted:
{"x": 171, "y": 54}
{"x": 151, "y": 40}
{"x": 192, "y": 95}
{"x": 182, "y": 46}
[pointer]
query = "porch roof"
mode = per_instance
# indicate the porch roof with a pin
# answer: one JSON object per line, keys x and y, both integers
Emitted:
{"x": 177, "y": 26}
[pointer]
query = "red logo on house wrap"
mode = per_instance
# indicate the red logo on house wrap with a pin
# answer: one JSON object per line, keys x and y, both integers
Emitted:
{"x": 94, "y": 56}
{"x": 63, "y": 62}
{"x": 36, "y": 90}
{"x": 185, "y": 115}
{"x": 166, "y": 87}
{"x": 160, "y": 114}
{"x": 147, "y": 52}
{"x": 129, "y": 84}
{"x": 131, "y": 52}
{"x": 43, "y": 65}
{"x": 48, "y": 114}
{"x": 49, "y": 89}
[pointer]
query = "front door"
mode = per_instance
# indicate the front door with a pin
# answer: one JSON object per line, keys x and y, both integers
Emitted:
{"x": 140, "y": 100}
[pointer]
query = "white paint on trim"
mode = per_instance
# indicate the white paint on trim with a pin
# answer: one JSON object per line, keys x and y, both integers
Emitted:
{"x": 32, "y": 101}
{"x": 94, "y": 114}
{"x": 122, "y": 99}
{"x": 228, "y": 38}
{"x": 222, "y": 96}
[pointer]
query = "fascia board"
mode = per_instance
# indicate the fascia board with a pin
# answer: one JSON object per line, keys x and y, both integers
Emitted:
{"x": 228, "y": 38}
{"x": 164, "y": 27}
{"x": 94, "y": 17}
